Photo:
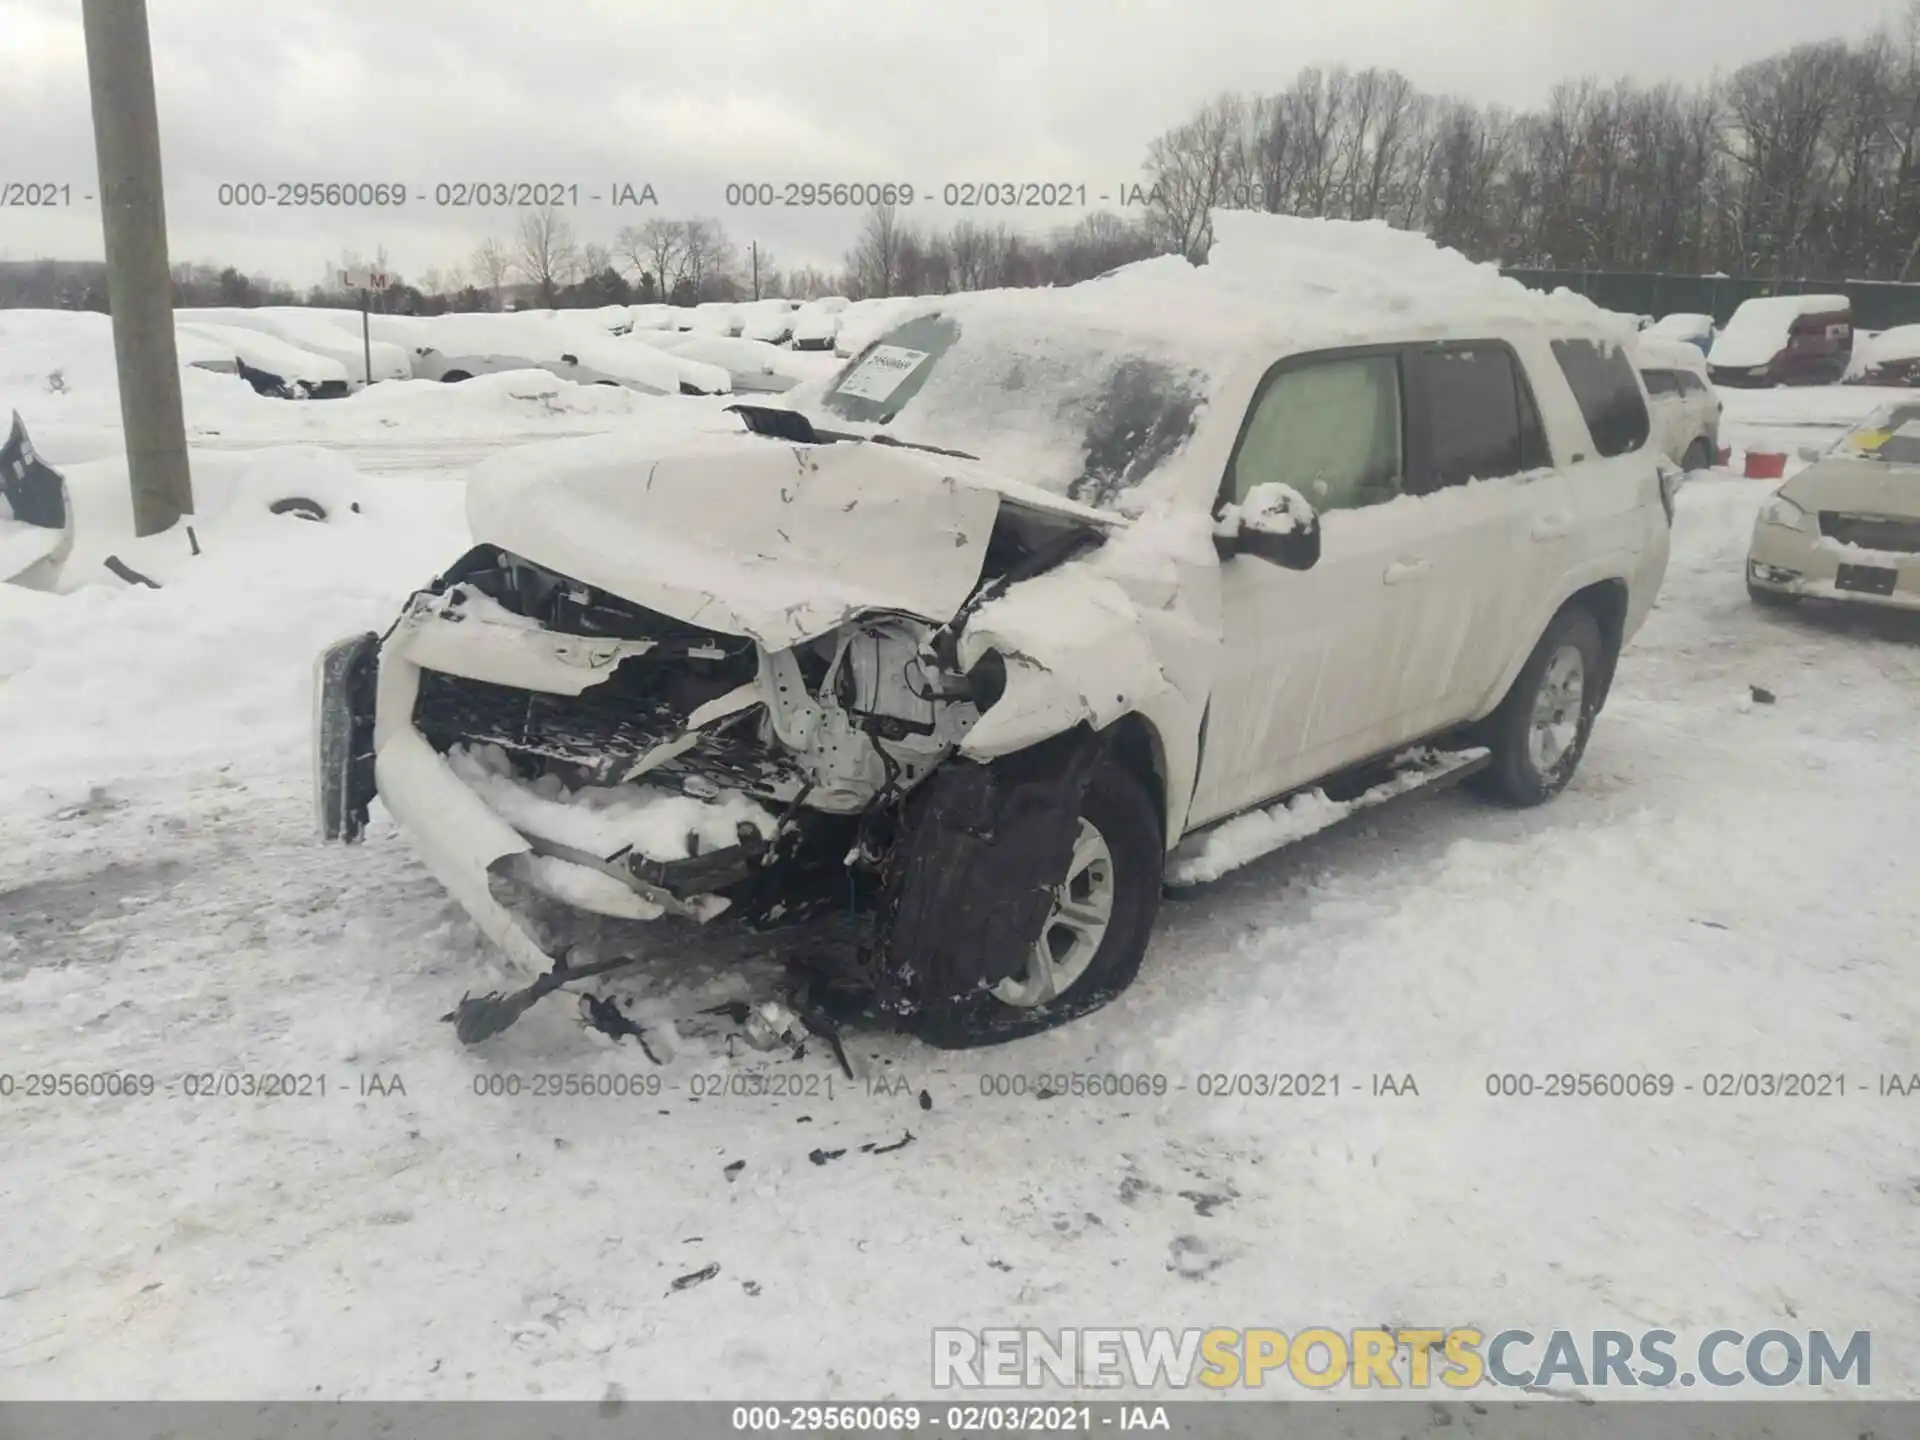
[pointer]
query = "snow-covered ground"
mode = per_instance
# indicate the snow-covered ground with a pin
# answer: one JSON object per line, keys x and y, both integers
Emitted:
{"x": 1727, "y": 887}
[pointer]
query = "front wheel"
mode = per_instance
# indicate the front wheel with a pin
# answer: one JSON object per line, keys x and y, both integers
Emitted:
{"x": 1540, "y": 731}
{"x": 1094, "y": 937}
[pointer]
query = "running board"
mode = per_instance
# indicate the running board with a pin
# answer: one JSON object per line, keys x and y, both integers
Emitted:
{"x": 1226, "y": 845}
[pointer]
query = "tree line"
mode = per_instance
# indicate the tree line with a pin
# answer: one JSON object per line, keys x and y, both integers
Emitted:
{"x": 1805, "y": 164}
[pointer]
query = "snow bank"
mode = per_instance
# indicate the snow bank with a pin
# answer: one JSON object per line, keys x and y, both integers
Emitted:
{"x": 1759, "y": 328}
{"x": 62, "y": 357}
{"x": 605, "y": 820}
{"x": 109, "y": 682}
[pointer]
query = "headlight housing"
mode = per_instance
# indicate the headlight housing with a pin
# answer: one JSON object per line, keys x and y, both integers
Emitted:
{"x": 1783, "y": 512}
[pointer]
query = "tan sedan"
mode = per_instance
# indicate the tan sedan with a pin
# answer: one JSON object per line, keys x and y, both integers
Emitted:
{"x": 1848, "y": 526}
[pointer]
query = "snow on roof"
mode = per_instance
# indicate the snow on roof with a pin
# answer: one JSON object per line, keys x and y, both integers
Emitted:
{"x": 1056, "y": 386}
{"x": 1291, "y": 282}
{"x": 1682, "y": 324}
{"x": 1663, "y": 352}
{"x": 1759, "y": 328}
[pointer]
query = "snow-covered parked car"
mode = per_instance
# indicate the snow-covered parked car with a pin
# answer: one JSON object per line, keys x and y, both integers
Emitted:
{"x": 712, "y": 317}
{"x": 1887, "y": 357}
{"x": 1687, "y": 327}
{"x": 753, "y": 366}
{"x": 770, "y": 321}
{"x": 335, "y": 334}
{"x": 1848, "y": 526}
{"x": 1686, "y": 411}
{"x": 272, "y": 366}
{"x": 817, "y": 323}
{"x": 457, "y": 347}
{"x": 1784, "y": 340}
{"x": 1049, "y": 599}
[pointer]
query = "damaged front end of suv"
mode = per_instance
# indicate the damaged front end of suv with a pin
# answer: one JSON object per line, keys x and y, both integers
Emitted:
{"x": 745, "y": 682}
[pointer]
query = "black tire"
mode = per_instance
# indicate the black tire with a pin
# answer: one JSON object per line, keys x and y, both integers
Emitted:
{"x": 454, "y": 377}
{"x": 1770, "y": 599}
{"x": 1699, "y": 456}
{"x": 1117, "y": 804}
{"x": 1511, "y": 776}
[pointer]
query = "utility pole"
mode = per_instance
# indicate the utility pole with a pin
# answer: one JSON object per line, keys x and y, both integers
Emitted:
{"x": 126, "y": 137}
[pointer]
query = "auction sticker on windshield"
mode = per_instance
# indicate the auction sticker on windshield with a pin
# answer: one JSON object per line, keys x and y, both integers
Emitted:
{"x": 882, "y": 372}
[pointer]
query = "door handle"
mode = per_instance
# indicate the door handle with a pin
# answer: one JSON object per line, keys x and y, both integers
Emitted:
{"x": 1552, "y": 527}
{"x": 1403, "y": 572}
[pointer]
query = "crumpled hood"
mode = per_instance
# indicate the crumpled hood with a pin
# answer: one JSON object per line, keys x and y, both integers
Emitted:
{"x": 747, "y": 535}
{"x": 1861, "y": 487}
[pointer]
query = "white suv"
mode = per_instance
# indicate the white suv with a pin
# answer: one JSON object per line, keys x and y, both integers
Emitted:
{"x": 1046, "y": 600}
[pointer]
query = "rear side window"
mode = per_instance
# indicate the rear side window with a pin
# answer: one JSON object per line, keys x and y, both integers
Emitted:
{"x": 1602, "y": 381}
{"x": 1661, "y": 382}
{"x": 1477, "y": 417}
{"x": 1690, "y": 384}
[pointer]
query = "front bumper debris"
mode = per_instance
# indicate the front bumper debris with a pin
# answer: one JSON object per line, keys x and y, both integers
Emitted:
{"x": 345, "y": 678}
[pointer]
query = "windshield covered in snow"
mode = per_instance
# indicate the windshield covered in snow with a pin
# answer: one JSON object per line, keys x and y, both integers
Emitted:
{"x": 1891, "y": 434}
{"x": 1087, "y": 412}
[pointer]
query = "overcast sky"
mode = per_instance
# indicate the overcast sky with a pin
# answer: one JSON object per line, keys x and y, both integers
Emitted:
{"x": 692, "y": 94}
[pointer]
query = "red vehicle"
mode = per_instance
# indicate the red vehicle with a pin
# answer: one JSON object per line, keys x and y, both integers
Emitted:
{"x": 1784, "y": 340}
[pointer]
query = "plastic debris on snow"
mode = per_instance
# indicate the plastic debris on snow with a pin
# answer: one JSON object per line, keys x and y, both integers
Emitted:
{"x": 589, "y": 889}
{"x": 608, "y": 819}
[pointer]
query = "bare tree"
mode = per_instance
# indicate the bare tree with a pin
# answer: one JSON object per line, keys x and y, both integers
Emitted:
{"x": 873, "y": 264}
{"x": 491, "y": 266}
{"x": 655, "y": 249}
{"x": 1190, "y": 167}
{"x": 707, "y": 259}
{"x": 545, "y": 253}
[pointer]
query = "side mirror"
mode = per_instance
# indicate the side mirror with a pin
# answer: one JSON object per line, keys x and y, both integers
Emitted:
{"x": 1274, "y": 523}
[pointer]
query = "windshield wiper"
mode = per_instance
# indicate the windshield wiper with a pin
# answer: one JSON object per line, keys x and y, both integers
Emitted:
{"x": 792, "y": 425}
{"x": 913, "y": 445}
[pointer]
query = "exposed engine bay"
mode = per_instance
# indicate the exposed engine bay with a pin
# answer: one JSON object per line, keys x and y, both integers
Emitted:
{"x": 572, "y": 711}
{"x": 780, "y": 679}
